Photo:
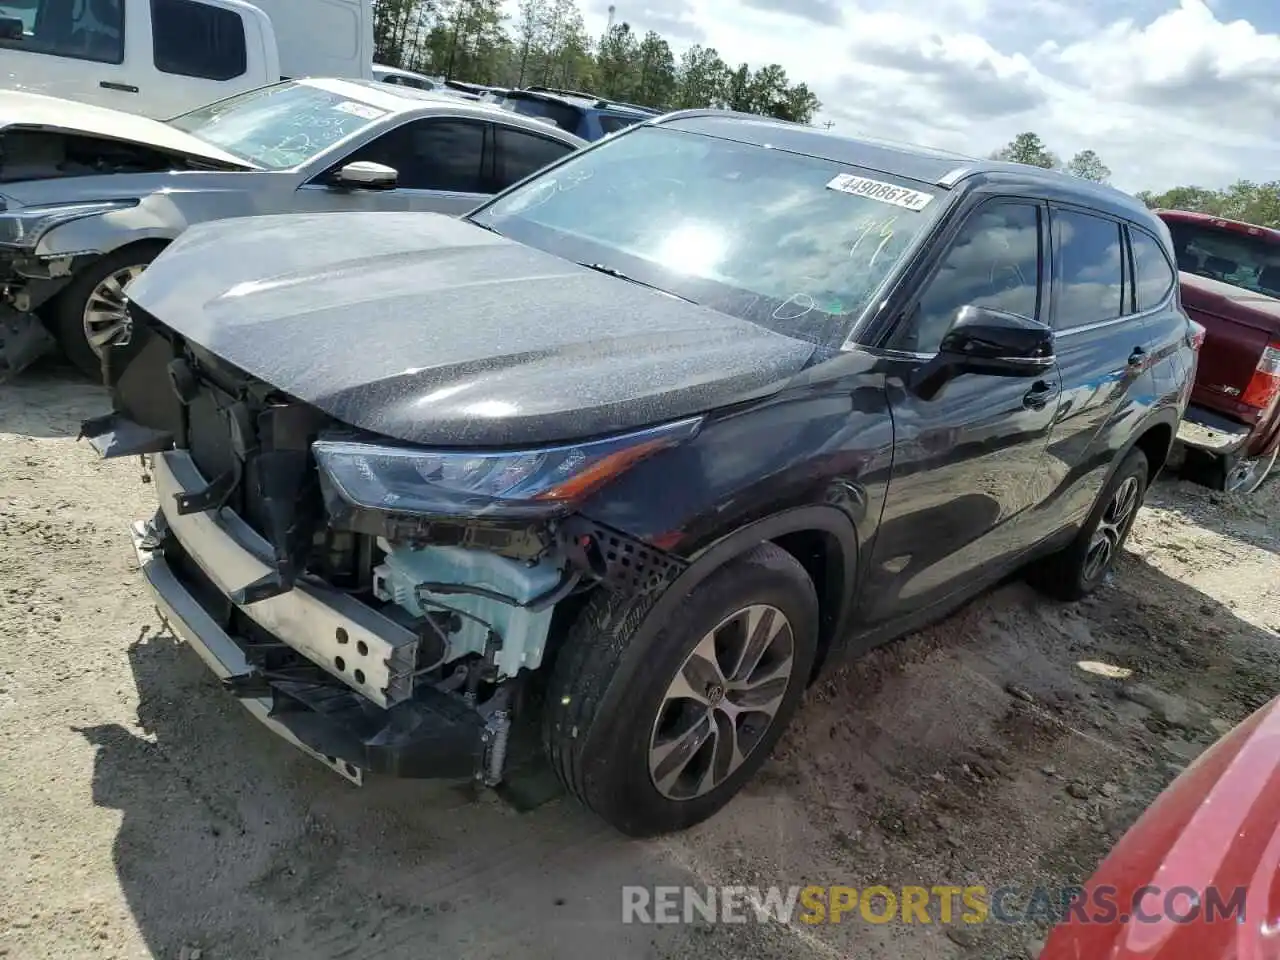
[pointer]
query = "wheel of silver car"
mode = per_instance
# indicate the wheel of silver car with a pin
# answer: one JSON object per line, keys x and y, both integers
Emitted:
{"x": 656, "y": 714}
{"x": 721, "y": 702}
{"x": 1247, "y": 474}
{"x": 104, "y": 318}
{"x": 90, "y": 311}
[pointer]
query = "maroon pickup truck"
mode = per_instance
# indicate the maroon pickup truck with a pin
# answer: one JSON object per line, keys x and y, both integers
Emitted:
{"x": 1230, "y": 275}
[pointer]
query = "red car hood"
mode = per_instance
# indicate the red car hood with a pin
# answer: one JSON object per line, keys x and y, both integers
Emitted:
{"x": 1217, "y": 825}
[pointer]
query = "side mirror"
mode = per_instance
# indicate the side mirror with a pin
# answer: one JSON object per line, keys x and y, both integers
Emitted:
{"x": 982, "y": 340}
{"x": 365, "y": 175}
{"x": 989, "y": 341}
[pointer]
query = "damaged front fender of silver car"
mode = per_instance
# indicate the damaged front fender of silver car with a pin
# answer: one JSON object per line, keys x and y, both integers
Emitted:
{"x": 43, "y": 245}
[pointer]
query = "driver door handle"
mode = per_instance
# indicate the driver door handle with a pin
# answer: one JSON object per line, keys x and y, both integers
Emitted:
{"x": 122, "y": 87}
{"x": 1039, "y": 395}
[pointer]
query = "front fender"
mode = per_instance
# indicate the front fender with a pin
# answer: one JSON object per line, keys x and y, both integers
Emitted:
{"x": 156, "y": 217}
{"x": 811, "y": 463}
{"x": 837, "y": 593}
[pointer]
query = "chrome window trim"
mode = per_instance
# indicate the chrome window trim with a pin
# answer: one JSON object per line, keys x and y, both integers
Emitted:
{"x": 1043, "y": 362}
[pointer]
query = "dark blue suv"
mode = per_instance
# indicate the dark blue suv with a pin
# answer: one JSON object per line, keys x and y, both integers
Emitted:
{"x": 584, "y": 114}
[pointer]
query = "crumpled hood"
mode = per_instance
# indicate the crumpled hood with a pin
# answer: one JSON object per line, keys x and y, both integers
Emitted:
{"x": 20, "y": 108}
{"x": 429, "y": 329}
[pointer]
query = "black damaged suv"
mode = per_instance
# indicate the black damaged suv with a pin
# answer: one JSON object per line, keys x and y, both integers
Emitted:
{"x": 607, "y": 471}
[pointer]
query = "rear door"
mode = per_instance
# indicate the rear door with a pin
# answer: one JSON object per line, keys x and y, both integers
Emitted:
{"x": 1155, "y": 301}
{"x": 1104, "y": 352}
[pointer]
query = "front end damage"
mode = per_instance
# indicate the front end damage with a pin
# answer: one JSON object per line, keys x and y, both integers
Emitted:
{"x": 27, "y": 282}
{"x": 51, "y": 177}
{"x": 30, "y": 277}
{"x": 374, "y": 604}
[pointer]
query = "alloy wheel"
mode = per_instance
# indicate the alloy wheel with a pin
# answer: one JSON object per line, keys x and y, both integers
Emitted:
{"x": 721, "y": 702}
{"x": 1246, "y": 475}
{"x": 105, "y": 316}
{"x": 1115, "y": 521}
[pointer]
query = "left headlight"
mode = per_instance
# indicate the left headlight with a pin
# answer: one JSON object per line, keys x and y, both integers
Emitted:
{"x": 514, "y": 483}
{"x": 22, "y": 227}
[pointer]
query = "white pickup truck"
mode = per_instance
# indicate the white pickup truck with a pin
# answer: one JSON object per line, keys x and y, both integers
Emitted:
{"x": 160, "y": 58}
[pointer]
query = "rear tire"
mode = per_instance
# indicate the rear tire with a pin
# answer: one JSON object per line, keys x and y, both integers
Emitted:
{"x": 67, "y": 314}
{"x": 1083, "y": 565}
{"x": 659, "y": 738}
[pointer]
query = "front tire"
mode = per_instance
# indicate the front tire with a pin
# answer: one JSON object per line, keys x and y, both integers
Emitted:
{"x": 1083, "y": 565}
{"x": 90, "y": 309}
{"x": 658, "y": 739}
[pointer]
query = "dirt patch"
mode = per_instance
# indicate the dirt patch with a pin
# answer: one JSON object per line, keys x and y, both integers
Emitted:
{"x": 146, "y": 815}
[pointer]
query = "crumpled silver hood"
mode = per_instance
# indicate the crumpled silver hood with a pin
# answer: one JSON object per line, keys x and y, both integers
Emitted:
{"x": 429, "y": 329}
{"x": 24, "y": 109}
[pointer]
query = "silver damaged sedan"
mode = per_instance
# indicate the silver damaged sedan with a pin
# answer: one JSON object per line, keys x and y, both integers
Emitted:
{"x": 90, "y": 196}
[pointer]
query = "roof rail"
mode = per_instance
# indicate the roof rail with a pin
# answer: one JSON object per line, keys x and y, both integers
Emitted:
{"x": 470, "y": 87}
{"x": 600, "y": 102}
{"x": 559, "y": 91}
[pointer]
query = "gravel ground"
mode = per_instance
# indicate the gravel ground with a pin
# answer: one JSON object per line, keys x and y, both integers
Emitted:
{"x": 146, "y": 815}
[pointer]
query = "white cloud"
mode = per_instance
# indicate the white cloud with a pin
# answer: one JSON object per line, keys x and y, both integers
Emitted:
{"x": 1174, "y": 92}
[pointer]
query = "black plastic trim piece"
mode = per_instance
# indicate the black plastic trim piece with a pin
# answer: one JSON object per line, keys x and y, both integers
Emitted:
{"x": 113, "y": 435}
{"x": 622, "y": 563}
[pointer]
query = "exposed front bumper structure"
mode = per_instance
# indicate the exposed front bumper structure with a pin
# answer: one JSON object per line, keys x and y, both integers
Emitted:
{"x": 1203, "y": 429}
{"x": 375, "y": 720}
{"x": 23, "y": 341}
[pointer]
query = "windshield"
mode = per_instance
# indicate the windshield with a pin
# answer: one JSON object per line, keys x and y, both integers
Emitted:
{"x": 794, "y": 243}
{"x": 280, "y": 126}
{"x": 1234, "y": 258}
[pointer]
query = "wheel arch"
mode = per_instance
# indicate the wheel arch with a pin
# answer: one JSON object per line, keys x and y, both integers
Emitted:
{"x": 132, "y": 243}
{"x": 1155, "y": 440}
{"x": 822, "y": 539}
{"x": 85, "y": 262}
{"x": 96, "y": 236}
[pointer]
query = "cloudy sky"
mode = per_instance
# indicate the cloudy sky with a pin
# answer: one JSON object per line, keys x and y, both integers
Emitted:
{"x": 1169, "y": 92}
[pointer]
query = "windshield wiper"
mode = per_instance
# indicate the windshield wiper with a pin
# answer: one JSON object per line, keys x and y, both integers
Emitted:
{"x": 615, "y": 272}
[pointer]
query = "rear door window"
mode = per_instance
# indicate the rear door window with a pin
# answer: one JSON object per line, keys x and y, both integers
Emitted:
{"x": 521, "y": 154}
{"x": 193, "y": 39}
{"x": 1090, "y": 276}
{"x": 1152, "y": 274}
{"x": 80, "y": 29}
